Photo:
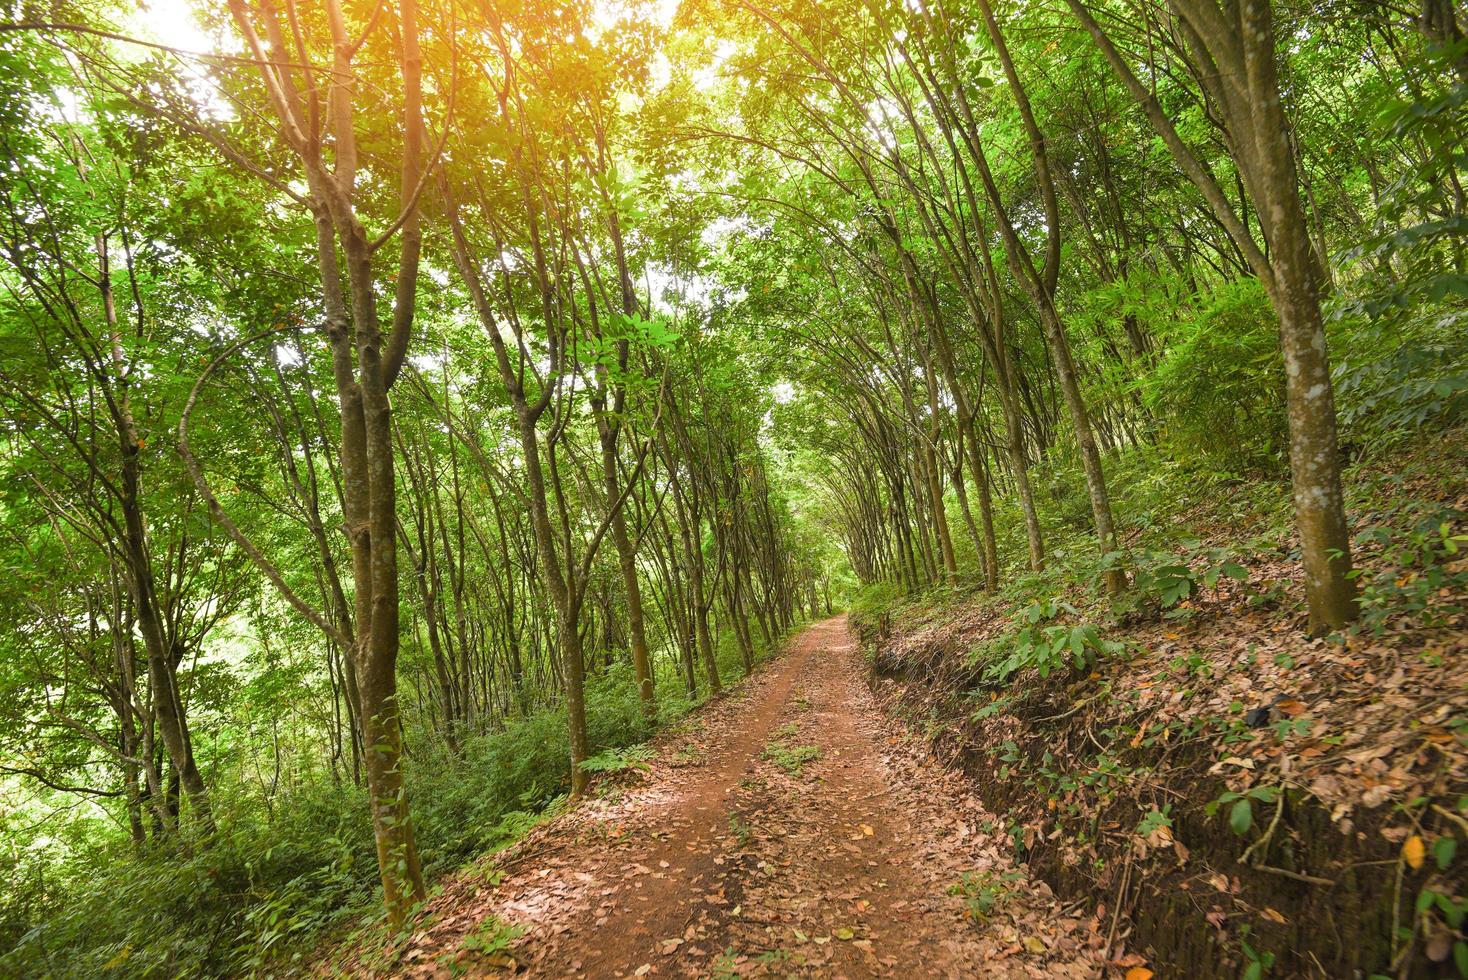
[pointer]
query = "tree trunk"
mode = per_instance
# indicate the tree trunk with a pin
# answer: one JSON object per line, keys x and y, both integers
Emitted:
{"x": 627, "y": 563}
{"x": 1234, "y": 61}
{"x": 1315, "y": 463}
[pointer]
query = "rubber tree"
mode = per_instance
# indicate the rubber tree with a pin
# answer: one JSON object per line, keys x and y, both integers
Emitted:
{"x": 1231, "y": 51}
{"x": 316, "y": 109}
{"x": 541, "y": 321}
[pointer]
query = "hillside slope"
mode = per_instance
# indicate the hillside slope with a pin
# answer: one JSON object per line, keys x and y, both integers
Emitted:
{"x": 1232, "y": 793}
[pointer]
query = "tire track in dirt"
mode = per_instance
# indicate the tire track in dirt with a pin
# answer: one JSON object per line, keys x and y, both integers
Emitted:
{"x": 787, "y": 831}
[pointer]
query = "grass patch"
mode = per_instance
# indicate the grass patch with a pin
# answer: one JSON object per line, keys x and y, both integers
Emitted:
{"x": 791, "y": 758}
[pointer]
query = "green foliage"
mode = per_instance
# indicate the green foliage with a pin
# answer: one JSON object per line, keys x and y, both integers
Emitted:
{"x": 1444, "y": 913}
{"x": 1162, "y": 580}
{"x": 994, "y": 706}
{"x": 1416, "y": 249}
{"x": 1045, "y": 648}
{"x": 1154, "y": 820}
{"x": 1444, "y": 849}
{"x": 1219, "y": 383}
{"x": 873, "y": 601}
{"x": 619, "y": 760}
{"x": 788, "y": 756}
{"x": 257, "y": 890}
{"x": 985, "y": 892}
{"x": 493, "y": 936}
{"x": 1241, "y": 810}
{"x": 1257, "y": 963}
{"x": 1169, "y": 583}
{"x": 760, "y": 335}
{"x": 740, "y": 828}
{"x": 1421, "y": 552}
{"x": 267, "y": 886}
{"x": 1400, "y": 376}
{"x": 791, "y": 758}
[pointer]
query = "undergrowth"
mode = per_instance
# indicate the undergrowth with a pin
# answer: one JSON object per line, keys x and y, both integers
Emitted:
{"x": 1036, "y": 669}
{"x": 271, "y": 882}
{"x": 784, "y": 752}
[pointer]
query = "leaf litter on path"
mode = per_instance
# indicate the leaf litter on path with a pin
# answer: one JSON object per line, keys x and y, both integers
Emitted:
{"x": 849, "y": 865}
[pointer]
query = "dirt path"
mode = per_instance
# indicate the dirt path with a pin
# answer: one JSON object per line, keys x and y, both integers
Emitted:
{"x": 789, "y": 830}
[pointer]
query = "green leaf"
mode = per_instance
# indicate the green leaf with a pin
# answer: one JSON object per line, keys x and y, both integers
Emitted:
{"x": 1443, "y": 850}
{"x": 1425, "y": 899}
{"x": 1452, "y": 911}
{"x": 1241, "y": 817}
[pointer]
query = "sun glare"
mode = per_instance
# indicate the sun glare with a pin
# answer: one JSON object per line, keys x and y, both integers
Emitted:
{"x": 174, "y": 23}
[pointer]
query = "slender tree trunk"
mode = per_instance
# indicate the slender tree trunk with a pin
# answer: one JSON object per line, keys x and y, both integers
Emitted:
{"x": 1075, "y": 402}
{"x": 627, "y": 564}
{"x": 1234, "y": 52}
{"x": 1040, "y": 285}
{"x": 138, "y": 573}
{"x": 1315, "y": 462}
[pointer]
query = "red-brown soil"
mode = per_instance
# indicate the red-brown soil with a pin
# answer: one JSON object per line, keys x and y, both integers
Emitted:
{"x": 730, "y": 856}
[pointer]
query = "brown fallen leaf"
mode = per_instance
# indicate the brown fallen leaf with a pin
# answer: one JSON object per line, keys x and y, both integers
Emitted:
{"x": 1290, "y": 706}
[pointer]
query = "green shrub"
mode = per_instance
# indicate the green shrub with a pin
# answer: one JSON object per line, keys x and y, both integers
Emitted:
{"x": 260, "y": 885}
{"x": 1219, "y": 384}
{"x": 270, "y": 883}
{"x": 1398, "y": 376}
{"x": 1045, "y": 648}
{"x": 872, "y": 602}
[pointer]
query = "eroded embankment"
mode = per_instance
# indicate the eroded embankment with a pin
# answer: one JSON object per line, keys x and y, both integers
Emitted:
{"x": 1227, "y": 792}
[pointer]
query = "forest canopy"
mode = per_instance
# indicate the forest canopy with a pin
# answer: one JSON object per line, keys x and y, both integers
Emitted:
{"x": 409, "y": 408}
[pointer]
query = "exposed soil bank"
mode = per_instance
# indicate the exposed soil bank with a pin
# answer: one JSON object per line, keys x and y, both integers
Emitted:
{"x": 1323, "y": 881}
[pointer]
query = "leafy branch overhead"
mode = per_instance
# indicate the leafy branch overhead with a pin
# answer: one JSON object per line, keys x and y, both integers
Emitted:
{"x": 424, "y": 424}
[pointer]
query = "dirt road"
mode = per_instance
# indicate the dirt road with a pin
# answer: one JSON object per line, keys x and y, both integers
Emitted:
{"x": 789, "y": 830}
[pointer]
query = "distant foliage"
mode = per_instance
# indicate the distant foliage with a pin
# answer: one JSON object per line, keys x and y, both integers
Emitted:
{"x": 872, "y": 601}
{"x": 1415, "y": 254}
{"x": 1401, "y": 375}
{"x": 1219, "y": 383}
